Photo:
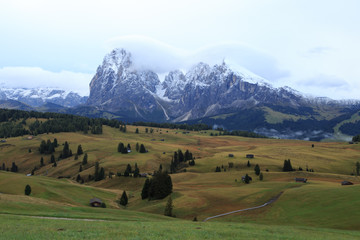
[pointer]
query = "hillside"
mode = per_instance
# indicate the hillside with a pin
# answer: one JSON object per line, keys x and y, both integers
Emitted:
{"x": 200, "y": 191}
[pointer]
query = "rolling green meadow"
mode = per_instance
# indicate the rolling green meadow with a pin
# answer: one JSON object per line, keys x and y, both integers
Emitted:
{"x": 319, "y": 209}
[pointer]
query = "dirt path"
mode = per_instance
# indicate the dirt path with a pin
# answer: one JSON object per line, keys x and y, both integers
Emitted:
{"x": 246, "y": 209}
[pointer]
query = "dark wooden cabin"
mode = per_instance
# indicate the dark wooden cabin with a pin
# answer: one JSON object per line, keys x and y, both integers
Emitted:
{"x": 95, "y": 202}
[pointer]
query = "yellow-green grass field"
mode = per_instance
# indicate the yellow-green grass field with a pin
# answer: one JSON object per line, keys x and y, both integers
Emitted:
{"x": 321, "y": 203}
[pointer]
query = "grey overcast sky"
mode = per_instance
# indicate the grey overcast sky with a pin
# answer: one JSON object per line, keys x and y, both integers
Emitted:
{"x": 309, "y": 45}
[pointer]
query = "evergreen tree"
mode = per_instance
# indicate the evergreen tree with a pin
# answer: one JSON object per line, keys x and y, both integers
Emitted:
{"x": 357, "y": 168}
{"x": 29, "y": 150}
{"x": 76, "y": 157}
{"x": 217, "y": 169}
{"x": 261, "y": 177}
{"x": 145, "y": 190}
{"x": 27, "y": 190}
{"x": 79, "y": 150}
{"x": 66, "y": 150}
{"x": 55, "y": 164}
{"x": 101, "y": 174}
{"x": 123, "y": 199}
{"x": 96, "y": 175}
{"x": 55, "y": 142}
{"x": 137, "y": 147}
{"x": 85, "y": 159}
{"x": 151, "y": 130}
{"x": 247, "y": 179}
{"x": 42, "y": 161}
{"x": 257, "y": 169}
{"x": 52, "y": 158}
{"x": 14, "y": 167}
{"x": 248, "y": 164}
{"x": 124, "y": 150}
{"x": 287, "y": 166}
{"x": 142, "y": 149}
{"x": 136, "y": 171}
{"x": 169, "y": 207}
{"x": 146, "y": 130}
{"x": 160, "y": 185}
{"x": 180, "y": 156}
{"x": 42, "y": 147}
{"x": 120, "y": 147}
{"x": 80, "y": 168}
{"x": 3, "y": 167}
{"x": 127, "y": 170}
{"x": 78, "y": 178}
{"x": 137, "y": 130}
{"x": 129, "y": 146}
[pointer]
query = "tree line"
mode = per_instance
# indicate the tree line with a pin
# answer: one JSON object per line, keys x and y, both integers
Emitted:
{"x": 54, "y": 123}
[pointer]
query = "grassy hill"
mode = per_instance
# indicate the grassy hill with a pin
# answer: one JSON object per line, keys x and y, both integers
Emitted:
{"x": 302, "y": 210}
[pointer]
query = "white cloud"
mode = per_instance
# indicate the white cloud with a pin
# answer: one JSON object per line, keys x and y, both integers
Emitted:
{"x": 160, "y": 57}
{"x": 34, "y": 77}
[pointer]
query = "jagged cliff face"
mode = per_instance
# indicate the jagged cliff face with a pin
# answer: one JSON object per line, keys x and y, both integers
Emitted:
{"x": 202, "y": 91}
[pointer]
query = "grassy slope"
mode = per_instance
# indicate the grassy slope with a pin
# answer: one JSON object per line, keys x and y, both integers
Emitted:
{"x": 29, "y": 228}
{"x": 199, "y": 192}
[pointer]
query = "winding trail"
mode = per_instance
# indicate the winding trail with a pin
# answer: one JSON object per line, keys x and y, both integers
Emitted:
{"x": 246, "y": 209}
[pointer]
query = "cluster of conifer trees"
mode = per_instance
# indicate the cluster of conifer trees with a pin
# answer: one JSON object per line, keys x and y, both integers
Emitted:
{"x": 158, "y": 187}
{"x": 179, "y": 158}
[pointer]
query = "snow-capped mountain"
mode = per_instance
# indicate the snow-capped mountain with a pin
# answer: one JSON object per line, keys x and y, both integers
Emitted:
{"x": 36, "y": 97}
{"x": 206, "y": 92}
{"x": 202, "y": 91}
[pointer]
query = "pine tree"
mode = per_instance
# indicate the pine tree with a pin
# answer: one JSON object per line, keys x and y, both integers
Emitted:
{"x": 160, "y": 185}
{"x": 145, "y": 190}
{"x": 248, "y": 164}
{"x": 55, "y": 164}
{"x": 217, "y": 169}
{"x": 120, "y": 147}
{"x": 146, "y": 130}
{"x": 101, "y": 174}
{"x": 247, "y": 179}
{"x": 42, "y": 161}
{"x": 66, "y": 150}
{"x": 52, "y": 158}
{"x": 14, "y": 167}
{"x": 136, "y": 171}
{"x": 123, "y": 199}
{"x": 287, "y": 166}
{"x": 96, "y": 175}
{"x": 80, "y": 168}
{"x": 129, "y": 146}
{"x": 257, "y": 169}
{"x": 261, "y": 177}
{"x": 137, "y": 147}
{"x": 79, "y": 150}
{"x": 180, "y": 156}
{"x": 78, "y": 178}
{"x": 137, "y": 130}
{"x": 142, "y": 149}
{"x": 357, "y": 168}
{"x": 127, "y": 170}
{"x": 85, "y": 159}
{"x": 27, "y": 190}
{"x": 169, "y": 207}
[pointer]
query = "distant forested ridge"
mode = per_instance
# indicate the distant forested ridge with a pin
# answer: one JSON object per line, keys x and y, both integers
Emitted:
{"x": 13, "y": 123}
